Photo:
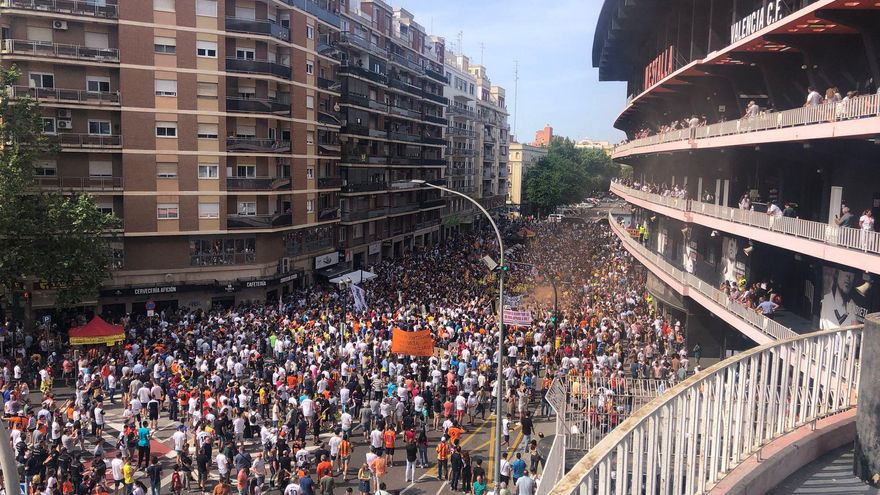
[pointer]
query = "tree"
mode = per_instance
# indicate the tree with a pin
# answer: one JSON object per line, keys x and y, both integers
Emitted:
{"x": 567, "y": 175}
{"x": 61, "y": 240}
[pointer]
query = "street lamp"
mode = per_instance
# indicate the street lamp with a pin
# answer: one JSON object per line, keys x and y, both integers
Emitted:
{"x": 502, "y": 267}
{"x": 344, "y": 285}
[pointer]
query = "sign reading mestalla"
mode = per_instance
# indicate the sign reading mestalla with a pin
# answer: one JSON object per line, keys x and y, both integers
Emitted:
{"x": 769, "y": 13}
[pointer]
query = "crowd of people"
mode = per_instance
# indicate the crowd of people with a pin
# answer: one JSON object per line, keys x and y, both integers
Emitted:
{"x": 278, "y": 396}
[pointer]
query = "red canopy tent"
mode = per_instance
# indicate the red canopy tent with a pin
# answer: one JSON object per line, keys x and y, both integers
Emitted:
{"x": 97, "y": 331}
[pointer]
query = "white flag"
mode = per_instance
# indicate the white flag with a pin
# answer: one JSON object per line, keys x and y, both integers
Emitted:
{"x": 360, "y": 303}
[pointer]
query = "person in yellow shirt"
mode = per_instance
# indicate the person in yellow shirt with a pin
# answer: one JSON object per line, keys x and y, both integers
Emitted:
{"x": 128, "y": 476}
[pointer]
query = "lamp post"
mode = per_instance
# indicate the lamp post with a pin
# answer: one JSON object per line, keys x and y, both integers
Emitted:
{"x": 344, "y": 285}
{"x": 501, "y": 270}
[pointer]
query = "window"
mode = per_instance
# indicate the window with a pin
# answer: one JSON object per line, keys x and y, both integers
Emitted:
{"x": 209, "y": 210}
{"x": 166, "y": 170}
{"x": 357, "y": 231}
{"x": 97, "y": 40}
{"x": 204, "y": 252}
{"x": 166, "y": 87}
{"x": 208, "y": 131}
{"x": 166, "y": 129}
{"x": 105, "y": 207}
{"x": 206, "y": 49}
{"x": 100, "y": 127}
{"x": 310, "y": 68}
{"x": 310, "y": 101}
{"x": 207, "y": 8}
{"x": 209, "y": 171}
{"x": 247, "y": 92}
{"x": 164, "y": 45}
{"x": 206, "y": 90}
{"x": 246, "y": 171}
{"x": 310, "y": 32}
{"x": 40, "y": 80}
{"x": 101, "y": 169}
{"x": 49, "y": 125}
{"x": 310, "y": 138}
{"x": 98, "y": 84}
{"x": 46, "y": 168}
{"x": 248, "y": 13}
{"x": 310, "y": 173}
{"x": 310, "y": 205}
{"x": 167, "y": 211}
{"x": 247, "y": 208}
{"x": 245, "y": 53}
{"x": 163, "y": 5}
{"x": 246, "y": 131}
{"x": 35, "y": 33}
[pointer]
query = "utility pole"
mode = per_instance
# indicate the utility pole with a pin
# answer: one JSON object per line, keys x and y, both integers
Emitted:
{"x": 482, "y": 49}
{"x": 515, "y": 94}
{"x": 459, "y": 48}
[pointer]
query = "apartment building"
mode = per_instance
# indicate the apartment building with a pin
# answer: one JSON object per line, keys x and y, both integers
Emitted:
{"x": 493, "y": 136}
{"x": 392, "y": 108}
{"x": 210, "y": 128}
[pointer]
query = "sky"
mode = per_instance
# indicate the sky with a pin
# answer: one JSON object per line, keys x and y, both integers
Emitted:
{"x": 553, "y": 43}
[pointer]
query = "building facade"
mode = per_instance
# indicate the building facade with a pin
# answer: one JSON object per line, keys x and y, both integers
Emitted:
{"x": 751, "y": 129}
{"x": 543, "y": 136}
{"x": 522, "y": 158}
{"x": 493, "y": 140}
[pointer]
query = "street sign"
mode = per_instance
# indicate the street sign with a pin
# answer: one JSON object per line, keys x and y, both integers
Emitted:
{"x": 150, "y": 305}
{"x": 47, "y": 319}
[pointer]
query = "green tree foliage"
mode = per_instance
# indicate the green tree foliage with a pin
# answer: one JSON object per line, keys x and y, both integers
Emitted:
{"x": 567, "y": 175}
{"x": 45, "y": 236}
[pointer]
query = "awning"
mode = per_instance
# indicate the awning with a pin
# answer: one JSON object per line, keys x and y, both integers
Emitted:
{"x": 356, "y": 277}
{"x": 97, "y": 331}
{"x": 333, "y": 270}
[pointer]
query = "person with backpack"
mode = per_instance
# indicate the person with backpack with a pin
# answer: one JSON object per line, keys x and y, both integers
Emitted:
{"x": 176, "y": 481}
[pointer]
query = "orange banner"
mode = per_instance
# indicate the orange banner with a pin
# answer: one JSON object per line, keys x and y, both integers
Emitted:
{"x": 418, "y": 343}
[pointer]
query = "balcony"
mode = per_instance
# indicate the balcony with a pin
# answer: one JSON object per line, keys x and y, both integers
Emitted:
{"x": 841, "y": 119}
{"x": 401, "y": 209}
{"x": 329, "y": 182}
{"x": 487, "y": 139}
{"x": 434, "y": 140}
{"x": 257, "y": 183}
{"x": 297, "y": 248}
{"x": 329, "y": 84}
{"x": 257, "y": 105}
{"x": 356, "y": 216}
{"x": 365, "y": 187}
{"x": 364, "y": 158}
{"x": 435, "y": 119}
{"x": 258, "y": 221}
{"x": 403, "y": 160}
{"x": 432, "y": 203}
{"x": 354, "y": 128}
{"x": 258, "y": 145}
{"x": 328, "y": 214}
{"x": 316, "y": 10}
{"x": 437, "y": 76}
{"x": 436, "y": 98}
{"x": 68, "y": 96}
{"x": 71, "y": 140}
{"x": 264, "y": 27}
{"x": 330, "y": 117}
{"x": 433, "y": 161}
{"x": 71, "y": 7}
{"x": 352, "y": 70}
{"x": 848, "y": 246}
{"x": 457, "y": 131}
{"x": 405, "y": 62}
{"x": 348, "y": 38}
{"x": 462, "y": 152}
{"x": 462, "y": 111}
{"x": 402, "y": 136}
{"x": 404, "y": 112}
{"x": 81, "y": 183}
{"x": 27, "y": 48}
{"x": 261, "y": 66}
{"x": 405, "y": 87}
{"x": 353, "y": 98}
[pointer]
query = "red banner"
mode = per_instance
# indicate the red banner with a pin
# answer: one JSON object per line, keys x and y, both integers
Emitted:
{"x": 418, "y": 343}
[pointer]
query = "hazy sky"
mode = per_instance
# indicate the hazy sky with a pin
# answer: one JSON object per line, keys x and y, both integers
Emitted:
{"x": 552, "y": 40}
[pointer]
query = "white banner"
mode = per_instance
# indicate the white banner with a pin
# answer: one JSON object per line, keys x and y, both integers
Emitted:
{"x": 326, "y": 260}
{"x": 517, "y": 318}
{"x": 360, "y": 303}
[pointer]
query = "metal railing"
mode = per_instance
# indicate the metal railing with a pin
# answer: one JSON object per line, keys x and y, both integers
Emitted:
{"x": 256, "y": 183}
{"x": 686, "y": 440}
{"x": 257, "y": 144}
{"x": 213, "y": 259}
{"x": 258, "y": 221}
{"x": 329, "y": 182}
{"x": 316, "y": 10}
{"x": 365, "y": 187}
{"x": 768, "y": 327}
{"x": 859, "y": 107}
{"x": 554, "y": 464}
{"x": 68, "y": 95}
{"x": 834, "y": 235}
{"x": 81, "y": 183}
{"x": 257, "y": 105}
{"x": 360, "y": 41}
{"x": 267, "y": 27}
{"x": 436, "y": 98}
{"x": 258, "y": 66}
{"x": 73, "y": 140}
{"x": 75, "y": 7}
{"x": 405, "y": 62}
{"x": 58, "y": 50}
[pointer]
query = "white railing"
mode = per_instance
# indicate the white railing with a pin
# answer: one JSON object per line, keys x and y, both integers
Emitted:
{"x": 847, "y": 237}
{"x": 859, "y": 107}
{"x": 59, "y": 50}
{"x": 765, "y": 325}
{"x": 688, "y": 439}
{"x": 554, "y": 464}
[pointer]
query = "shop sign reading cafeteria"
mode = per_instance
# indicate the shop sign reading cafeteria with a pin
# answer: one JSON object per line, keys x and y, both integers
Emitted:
{"x": 771, "y": 12}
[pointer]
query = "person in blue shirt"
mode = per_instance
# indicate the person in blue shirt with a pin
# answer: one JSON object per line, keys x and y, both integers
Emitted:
{"x": 143, "y": 435}
{"x": 518, "y": 467}
{"x": 306, "y": 484}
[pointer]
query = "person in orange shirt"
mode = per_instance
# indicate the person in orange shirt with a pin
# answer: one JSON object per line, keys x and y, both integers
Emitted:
{"x": 325, "y": 468}
{"x": 454, "y": 432}
{"x": 390, "y": 436}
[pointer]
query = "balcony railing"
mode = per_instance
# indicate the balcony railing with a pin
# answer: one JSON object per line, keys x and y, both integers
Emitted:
{"x": 400, "y": 209}
{"x": 259, "y": 145}
{"x": 833, "y": 235}
{"x": 365, "y": 187}
{"x": 402, "y": 136}
{"x": 433, "y": 140}
{"x": 354, "y": 39}
{"x": 68, "y": 95}
{"x": 267, "y": 27}
{"x": 437, "y": 76}
{"x": 426, "y": 224}
{"x": 859, "y": 107}
{"x": 72, "y": 140}
{"x": 409, "y": 88}
{"x": 406, "y": 112}
{"x": 435, "y": 119}
{"x": 692, "y": 436}
{"x": 81, "y": 183}
{"x": 257, "y": 105}
{"x": 58, "y": 50}
{"x": 456, "y": 131}
{"x": 458, "y": 110}
{"x": 258, "y": 221}
{"x": 461, "y": 152}
{"x": 436, "y": 98}
{"x": 328, "y": 84}
{"x": 256, "y": 183}
{"x": 364, "y": 158}
{"x": 330, "y": 117}
{"x": 361, "y": 72}
{"x": 258, "y": 66}
{"x": 329, "y": 182}
{"x": 328, "y": 214}
{"x": 316, "y": 10}
{"x": 433, "y": 161}
{"x": 432, "y": 203}
{"x": 405, "y": 62}
{"x": 769, "y": 328}
{"x": 354, "y": 216}
{"x": 213, "y": 259}
{"x": 298, "y": 248}
{"x": 74, "y": 7}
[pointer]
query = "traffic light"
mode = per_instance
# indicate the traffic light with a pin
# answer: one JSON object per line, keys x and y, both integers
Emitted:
{"x": 504, "y": 268}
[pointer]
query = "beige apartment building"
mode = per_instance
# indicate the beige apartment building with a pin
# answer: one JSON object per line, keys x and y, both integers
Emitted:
{"x": 210, "y": 128}
{"x": 522, "y": 158}
{"x": 493, "y": 136}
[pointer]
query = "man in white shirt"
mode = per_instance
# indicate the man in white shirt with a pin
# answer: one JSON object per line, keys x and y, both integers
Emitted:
{"x": 814, "y": 99}
{"x": 179, "y": 438}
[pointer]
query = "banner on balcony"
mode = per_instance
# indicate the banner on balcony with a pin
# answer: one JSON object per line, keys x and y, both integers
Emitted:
{"x": 419, "y": 343}
{"x": 517, "y": 318}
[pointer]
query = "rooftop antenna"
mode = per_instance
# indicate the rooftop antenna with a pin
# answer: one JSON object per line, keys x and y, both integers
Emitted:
{"x": 482, "y": 49}
{"x": 515, "y": 94}
{"x": 458, "y": 48}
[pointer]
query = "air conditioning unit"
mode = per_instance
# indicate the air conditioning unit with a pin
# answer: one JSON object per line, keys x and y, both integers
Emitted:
{"x": 59, "y": 25}
{"x": 65, "y": 124}
{"x": 64, "y": 113}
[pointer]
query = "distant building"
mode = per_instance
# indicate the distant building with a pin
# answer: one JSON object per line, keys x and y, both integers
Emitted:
{"x": 522, "y": 158}
{"x": 596, "y": 145}
{"x": 544, "y": 136}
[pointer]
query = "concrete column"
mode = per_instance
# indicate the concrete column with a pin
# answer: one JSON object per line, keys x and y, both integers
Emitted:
{"x": 867, "y": 446}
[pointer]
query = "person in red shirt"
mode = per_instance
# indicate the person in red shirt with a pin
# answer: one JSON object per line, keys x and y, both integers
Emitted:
{"x": 325, "y": 467}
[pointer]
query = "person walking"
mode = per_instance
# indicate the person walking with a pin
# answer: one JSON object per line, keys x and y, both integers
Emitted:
{"x": 455, "y": 465}
{"x": 411, "y": 457}
{"x": 154, "y": 472}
